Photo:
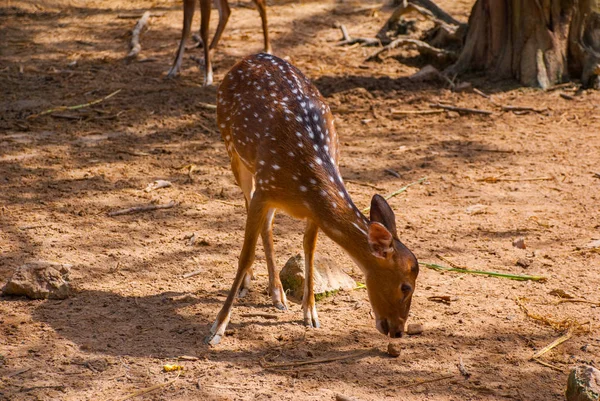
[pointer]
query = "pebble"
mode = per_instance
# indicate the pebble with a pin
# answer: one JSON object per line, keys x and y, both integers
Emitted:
{"x": 414, "y": 329}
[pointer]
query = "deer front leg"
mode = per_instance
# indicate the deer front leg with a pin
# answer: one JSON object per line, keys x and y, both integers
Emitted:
{"x": 275, "y": 287}
{"x": 205, "y": 9}
{"x": 311, "y": 319}
{"x": 257, "y": 213}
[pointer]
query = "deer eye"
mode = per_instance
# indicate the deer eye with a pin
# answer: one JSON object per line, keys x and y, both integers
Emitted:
{"x": 406, "y": 288}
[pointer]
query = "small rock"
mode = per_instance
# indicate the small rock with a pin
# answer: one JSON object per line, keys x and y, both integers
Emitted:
{"x": 476, "y": 209}
{"x": 414, "y": 329}
{"x": 523, "y": 262}
{"x": 427, "y": 73}
{"x": 329, "y": 277}
{"x": 393, "y": 350}
{"x": 583, "y": 384}
{"x": 463, "y": 87}
{"x": 519, "y": 243}
{"x": 39, "y": 280}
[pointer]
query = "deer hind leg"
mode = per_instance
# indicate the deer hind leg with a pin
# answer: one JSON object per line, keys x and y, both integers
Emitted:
{"x": 275, "y": 288}
{"x": 262, "y": 9}
{"x": 188, "y": 14}
{"x": 257, "y": 213}
{"x": 311, "y": 319}
{"x": 245, "y": 180}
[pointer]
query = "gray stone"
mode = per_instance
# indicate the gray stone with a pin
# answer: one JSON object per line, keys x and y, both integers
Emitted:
{"x": 39, "y": 280}
{"x": 583, "y": 384}
{"x": 329, "y": 277}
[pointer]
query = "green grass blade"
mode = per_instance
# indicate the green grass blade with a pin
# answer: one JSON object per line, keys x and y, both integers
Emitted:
{"x": 518, "y": 277}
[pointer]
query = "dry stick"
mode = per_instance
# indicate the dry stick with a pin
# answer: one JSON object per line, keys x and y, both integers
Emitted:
{"x": 135, "y": 46}
{"x": 425, "y": 381}
{"x": 523, "y": 108}
{"x": 460, "y": 109}
{"x": 145, "y": 208}
{"x": 315, "y": 361}
{"x": 192, "y": 274}
{"x": 492, "y": 180}
{"x": 398, "y": 192}
{"x": 365, "y": 184}
{"x": 207, "y": 106}
{"x": 263, "y": 315}
{"x": 518, "y": 277}
{"x": 18, "y": 372}
{"x": 548, "y": 365}
{"x": 443, "y": 259}
{"x": 392, "y": 172}
{"x": 79, "y": 106}
{"x": 348, "y": 40}
{"x": 556, "y": 342}
{"x": 567, "y": 97}
{"x": 421, "y": 46}
{"x": 411, "y": 112}
{"x": 583, "y": 301}
{"x": 149, "y": 389}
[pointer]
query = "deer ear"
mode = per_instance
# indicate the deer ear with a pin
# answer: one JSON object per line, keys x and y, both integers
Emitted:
{"x": 380, "y": 241}
{"x": 381, "y": 212}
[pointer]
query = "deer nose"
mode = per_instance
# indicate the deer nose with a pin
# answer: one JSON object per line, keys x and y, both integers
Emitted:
{"x": 396, "y": 334}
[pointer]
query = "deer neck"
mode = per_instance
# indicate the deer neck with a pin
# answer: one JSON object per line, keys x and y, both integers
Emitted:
{"x": 348, "y": 227}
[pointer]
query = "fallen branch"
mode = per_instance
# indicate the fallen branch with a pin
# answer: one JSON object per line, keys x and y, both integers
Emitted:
{"x": 523, "y": 108}
{"x": 412, "y": 112}
{"x": 314, "y": 361}
{"x": 145, "y": 208}
{"x": 134, "y": 46}
{"x": 421, "y": 46}
{"x": 460, "y": 109}
{"x": 582, "y": 301}
{"x": 518, "y": 277}
{"x": 492, "y": 180}
{"x": 76, "y": 107}
{"x": 399, "y": 191}
{"x": 149, "y": 389}
{"x": 348, "y": 40}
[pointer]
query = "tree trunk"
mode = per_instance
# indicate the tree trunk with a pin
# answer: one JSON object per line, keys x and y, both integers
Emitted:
{"x": 538, "y": 42}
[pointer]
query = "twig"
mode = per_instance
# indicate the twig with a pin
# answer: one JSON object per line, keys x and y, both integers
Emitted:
{"x": 76, "y": 107}
{"x": 192, "y": 274}
{"x": 18, "y": 372}
{"x": 416, "y": 383}
{"x": 135, "y": 46}
{"x": 365, "y": 184}
{"x": 207, "y": 106}
{"x": 263, "y": 315}
{"x": 145, "y": 208}
{"x": 315, "y": 361}
{"x": 392, "y": 172}
{"x": 399, "y": 191}
{"x": 460, "y": 109}
{"x": 582, "y": 301}
{"x": 518, "y": 277}
{"x": 421, "y": 46}
{"x": 480, "y": 93}
{"x": 443, "y": 259}
{"x": 556, "y": 342}
{"x": 149, "y": 389}
{"x": 555, "y": 324}
{"x": 567, "y": 97}
{"x": 492, "y": 180}
{"x": 523, "y": 108}
{"x": 548, "y": 365}
{"x": 461, "y": 368}
{"x": 412, "y": 112}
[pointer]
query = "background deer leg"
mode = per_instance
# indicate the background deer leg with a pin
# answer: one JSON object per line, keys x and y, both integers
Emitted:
{"x": 262, "y": 9}
{"x": 188, "y": 14}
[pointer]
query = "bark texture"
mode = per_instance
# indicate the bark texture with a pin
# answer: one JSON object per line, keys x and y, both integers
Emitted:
{"x": 538, "y": 42}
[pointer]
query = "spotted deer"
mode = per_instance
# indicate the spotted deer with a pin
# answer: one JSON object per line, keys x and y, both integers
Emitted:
{"x": 284, "y": 152}
{"x": 205, "y": 10}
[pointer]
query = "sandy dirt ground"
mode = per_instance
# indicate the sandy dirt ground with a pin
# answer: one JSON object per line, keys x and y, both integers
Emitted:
{"x": 132, "y": 311}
